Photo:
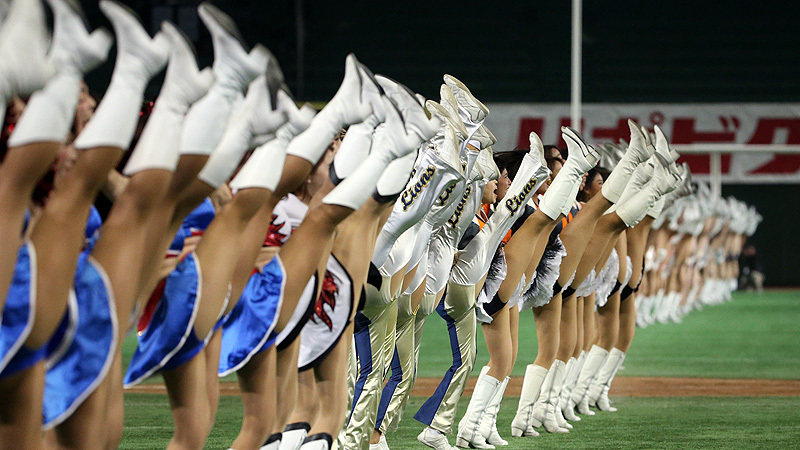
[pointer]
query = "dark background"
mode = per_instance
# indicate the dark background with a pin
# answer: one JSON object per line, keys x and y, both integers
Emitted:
{"x": 634, "y": 51}
{"x": 519, "y": 51}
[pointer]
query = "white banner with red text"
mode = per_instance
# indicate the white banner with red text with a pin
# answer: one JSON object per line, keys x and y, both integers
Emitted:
{"x": 718, "y": 123}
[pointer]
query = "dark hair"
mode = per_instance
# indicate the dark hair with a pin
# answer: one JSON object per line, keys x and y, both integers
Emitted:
{"x": 500, "y": 162}
{"x": 551, "y": 162}
{"x": 562, "y": 151}
{"x": 598, "y": 170}
{"x": 602, "y": 171}
{"x": 510, "y": 161}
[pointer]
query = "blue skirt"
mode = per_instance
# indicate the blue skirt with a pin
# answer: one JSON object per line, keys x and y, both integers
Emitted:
{"x": 248, "y": 328}
{"x": 82, "y": 350}
{"x": 18, "y": 315}
{"x": 169, "y": 340}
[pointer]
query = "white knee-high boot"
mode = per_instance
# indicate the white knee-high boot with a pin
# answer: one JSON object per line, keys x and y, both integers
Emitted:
{"x": 558, "y": 386}
{"x": 565, "y": 402}
{"x": 138, "y": 59}
{"x": 544, "y": 411}
{"x": 49, "y": 113}
{"x": 26, "y": 62}
{"x": 638, "y": 152}
{"x": 184, "y": 84}
{"x": 488, "y": 428}
{"x": 604, "y": 378}
{"x": 531, "y": 386}
{"x": 468, "y": 436}
{"x": 594, "y": 359}
{"x": 565, "y": 185}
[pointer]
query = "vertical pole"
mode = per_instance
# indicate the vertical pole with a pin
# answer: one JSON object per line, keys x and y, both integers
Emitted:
{"x": 716, "y": 174}
{"x": 301, "y": 46}
{"x": 577, "y": 31}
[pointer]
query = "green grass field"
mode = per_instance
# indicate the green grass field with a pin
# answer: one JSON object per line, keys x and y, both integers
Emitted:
{"x": 678, "y": 423}
{"x": 755, "y": 336}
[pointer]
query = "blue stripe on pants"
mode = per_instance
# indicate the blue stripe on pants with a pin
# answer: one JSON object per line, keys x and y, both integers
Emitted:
{"x": 391, "y": 386}
{"x": 364, "y": 352}
{"x": 428, "y": 409}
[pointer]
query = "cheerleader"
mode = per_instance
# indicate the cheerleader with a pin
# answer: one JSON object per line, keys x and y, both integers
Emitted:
{"x": 292, "y": 401}
{"x": 456, "y": 307}
{"x": 585, "y": 304}
{"x": 502, "y": 322}
{"x": 394, "y": 142}
{"x": 574, "y": 238}
{"x": 25, "y": 67}
{"x": 292, "y": 262}
{"x": 431, "y": 191}
{"x": 116, "y": 259}
{"x": 255, "y": 313}
{"x": 479, "y": 189}
{"x": 640, "y": 195}
{"x": 56, "y": 229}
{"x": 162, "y": 145}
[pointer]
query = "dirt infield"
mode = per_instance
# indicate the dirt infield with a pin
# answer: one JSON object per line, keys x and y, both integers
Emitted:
{"x": 623, "y": 386}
